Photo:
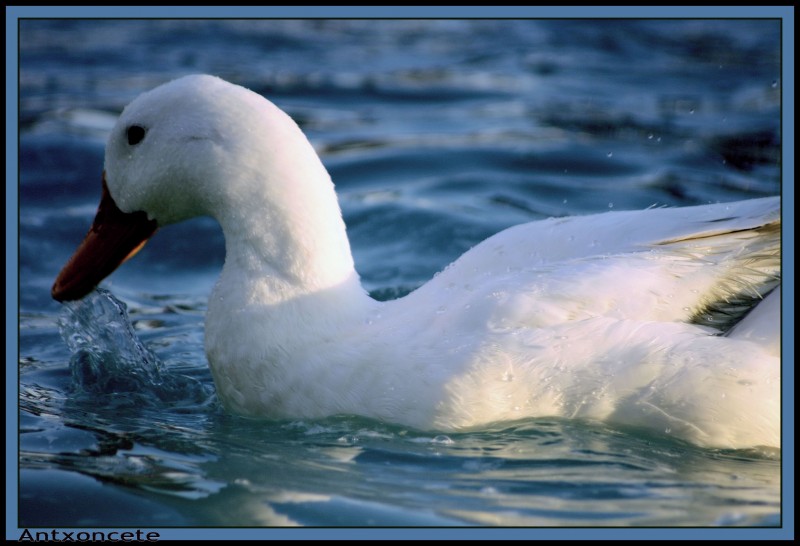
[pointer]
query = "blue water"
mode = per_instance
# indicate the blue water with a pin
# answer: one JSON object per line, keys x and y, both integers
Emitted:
{"x": 437, "y": 135}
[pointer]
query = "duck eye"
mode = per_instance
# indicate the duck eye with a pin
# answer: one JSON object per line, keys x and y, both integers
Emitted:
{"x": 135, "y": 134}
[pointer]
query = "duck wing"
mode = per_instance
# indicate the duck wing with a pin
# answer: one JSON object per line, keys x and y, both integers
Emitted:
{"x": 706, "y": 265}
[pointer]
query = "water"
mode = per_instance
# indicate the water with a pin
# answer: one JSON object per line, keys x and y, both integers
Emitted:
{"x": 437, "y": 134}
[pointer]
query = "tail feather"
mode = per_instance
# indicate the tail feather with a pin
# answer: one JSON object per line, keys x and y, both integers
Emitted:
{"x": 748, "y": 262}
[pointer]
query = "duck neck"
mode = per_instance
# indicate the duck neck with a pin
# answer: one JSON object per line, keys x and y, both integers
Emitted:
{"x": 284, "y": 233}
{"x": 295, "y": 245}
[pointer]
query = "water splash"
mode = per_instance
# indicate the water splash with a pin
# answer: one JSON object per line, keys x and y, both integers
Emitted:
{"x": 108, "y": 359}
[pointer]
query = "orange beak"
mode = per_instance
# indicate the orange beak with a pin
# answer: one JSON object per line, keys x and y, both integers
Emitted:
{"x": 114, "y": 237}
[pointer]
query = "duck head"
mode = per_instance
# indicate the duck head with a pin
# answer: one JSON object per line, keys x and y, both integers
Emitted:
{"x": 200, "y": 146}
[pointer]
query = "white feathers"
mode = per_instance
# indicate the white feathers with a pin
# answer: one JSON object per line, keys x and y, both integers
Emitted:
{"x": 597, "y": 317}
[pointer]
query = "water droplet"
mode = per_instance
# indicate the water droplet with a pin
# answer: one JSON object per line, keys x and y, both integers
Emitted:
{"x": 691, "y": 111}
{"x": 442, "y": 440}
{"x": 667, "y": 430}
{"x": 564, "y": 202}
{"x": 650, "y": 136}
{"x": 508, "y": 377}
{"x": 774, "y": 84}
{"x": 611, "y": 205}
{"x": 441, "y": 309}
{"x": 571, "y": 238}
{"x": 609, "y": 154}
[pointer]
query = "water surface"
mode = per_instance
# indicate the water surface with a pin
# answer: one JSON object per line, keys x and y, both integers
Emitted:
{"x": 437, "y": 135}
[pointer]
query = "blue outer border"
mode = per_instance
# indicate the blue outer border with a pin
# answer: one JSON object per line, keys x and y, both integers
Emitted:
{"x": 786, "y": 13}
{"x": 416, "y": 12}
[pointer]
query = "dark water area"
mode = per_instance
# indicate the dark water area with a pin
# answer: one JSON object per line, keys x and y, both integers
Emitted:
{"x": 437, "y": 134}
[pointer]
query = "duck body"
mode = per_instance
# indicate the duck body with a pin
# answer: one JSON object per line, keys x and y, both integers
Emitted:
{"x": 622, "y": 317}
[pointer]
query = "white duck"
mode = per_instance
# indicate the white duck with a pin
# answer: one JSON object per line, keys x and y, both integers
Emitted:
{"x": 607, "y": 317}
